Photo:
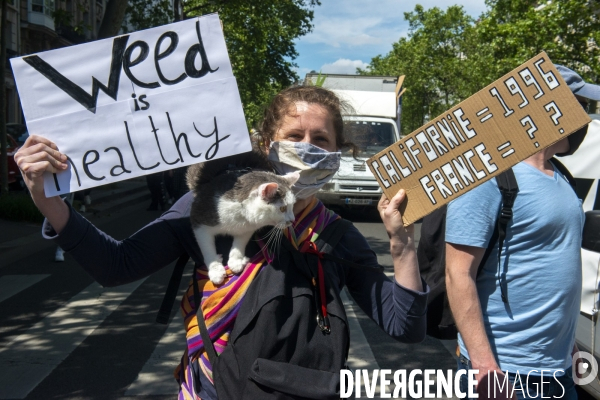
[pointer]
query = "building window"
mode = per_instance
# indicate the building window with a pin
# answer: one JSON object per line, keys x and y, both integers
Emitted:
{"x": 43, "y": 6}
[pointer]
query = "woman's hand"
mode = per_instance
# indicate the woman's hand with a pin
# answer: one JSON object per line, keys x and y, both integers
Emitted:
{"x": 37, "y": 156}
{"x": 400, "y": 236}
{"x": 402, "y": 242}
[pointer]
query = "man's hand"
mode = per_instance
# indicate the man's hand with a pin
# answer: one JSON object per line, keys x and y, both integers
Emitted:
{"x": 485, "y": 369}
{"x": 486, "y": 382}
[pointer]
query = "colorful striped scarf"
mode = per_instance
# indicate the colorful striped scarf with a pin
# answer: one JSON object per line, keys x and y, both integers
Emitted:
{"x": 221, "y": 304}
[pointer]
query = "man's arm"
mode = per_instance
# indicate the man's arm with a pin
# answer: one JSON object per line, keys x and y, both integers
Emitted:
{"x": 462, "y": 263}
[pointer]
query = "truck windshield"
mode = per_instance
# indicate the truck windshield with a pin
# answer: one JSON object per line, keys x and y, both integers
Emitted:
{"x": 370, "y": 137}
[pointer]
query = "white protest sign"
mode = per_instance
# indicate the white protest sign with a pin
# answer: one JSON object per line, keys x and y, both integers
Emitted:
{"x": 511, "y": 119}
{"x": 135, "y": 104}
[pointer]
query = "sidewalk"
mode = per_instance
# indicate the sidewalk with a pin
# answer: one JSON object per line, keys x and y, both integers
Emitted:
{"x": 105, "y": 200}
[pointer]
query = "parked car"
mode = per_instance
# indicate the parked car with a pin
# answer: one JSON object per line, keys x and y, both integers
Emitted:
{"x": 584, "y": 166}
{"x": 17, "y": 131}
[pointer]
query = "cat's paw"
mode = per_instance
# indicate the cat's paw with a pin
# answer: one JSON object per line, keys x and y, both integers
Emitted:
{"x": 237, "y": 264}
{"x": 216, "y": 272}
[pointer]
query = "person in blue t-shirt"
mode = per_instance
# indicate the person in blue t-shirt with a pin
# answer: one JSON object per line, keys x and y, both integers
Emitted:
{"x": 532, "y": 336}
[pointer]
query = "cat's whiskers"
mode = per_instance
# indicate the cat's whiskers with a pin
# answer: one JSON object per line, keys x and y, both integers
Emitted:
{"x": 279, "y": 235}
{"x": 265, "y": 236}
{"x": 272, "y": 236}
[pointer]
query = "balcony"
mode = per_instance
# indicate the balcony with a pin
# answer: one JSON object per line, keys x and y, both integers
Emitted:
{"x": 40, "y": 18}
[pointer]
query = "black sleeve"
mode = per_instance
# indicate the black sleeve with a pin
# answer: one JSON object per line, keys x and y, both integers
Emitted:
{"x": 112, "y": 262}
{"x": 399, "y": 311}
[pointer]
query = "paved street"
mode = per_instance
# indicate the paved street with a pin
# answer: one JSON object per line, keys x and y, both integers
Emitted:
{"x": 62, "y": 336}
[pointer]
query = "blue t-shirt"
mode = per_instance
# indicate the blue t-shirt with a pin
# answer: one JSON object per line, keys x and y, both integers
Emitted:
{"x": 536, "y": 330}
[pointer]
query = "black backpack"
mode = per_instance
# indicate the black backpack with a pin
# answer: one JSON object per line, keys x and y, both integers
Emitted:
{"x": 281, "y": 347}
{"x": 431, "y": 254}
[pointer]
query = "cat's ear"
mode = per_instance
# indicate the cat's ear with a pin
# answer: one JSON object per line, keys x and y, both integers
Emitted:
{"x": 292, "y": 177}
{"x": 267, "y": 190}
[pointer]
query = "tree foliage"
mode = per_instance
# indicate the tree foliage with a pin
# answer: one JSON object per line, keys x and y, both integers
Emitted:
{"x": 432, "y": 57}
{"x": 260, "y": 38}
{"x": 448, "y": 56}
{"x": 513, "y": 31}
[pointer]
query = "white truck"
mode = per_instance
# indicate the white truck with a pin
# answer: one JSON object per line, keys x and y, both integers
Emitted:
{"x": 373, "y": 126}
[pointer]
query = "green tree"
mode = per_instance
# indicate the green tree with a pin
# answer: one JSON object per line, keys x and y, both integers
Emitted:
{"x": 433, "y": 57}
{"x": 513, "y": 31}
{"x": 260, "y": 38}
{"x": 447, "y": 56}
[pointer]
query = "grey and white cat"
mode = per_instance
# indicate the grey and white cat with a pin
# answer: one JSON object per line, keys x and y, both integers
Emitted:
{"x": 236, "y": 196}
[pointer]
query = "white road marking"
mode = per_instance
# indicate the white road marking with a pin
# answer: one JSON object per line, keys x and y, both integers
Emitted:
{"x": 29, "y": 358}
{"x": 156, "y": 377}
{"x": 13, "y": 284}
{"x": 360, "y": 355}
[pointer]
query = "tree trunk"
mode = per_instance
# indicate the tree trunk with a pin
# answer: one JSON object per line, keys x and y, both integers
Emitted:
{"x": 177, "y": 10}
{"x": 113, "y": 18}
{"x": 3, "y": 140}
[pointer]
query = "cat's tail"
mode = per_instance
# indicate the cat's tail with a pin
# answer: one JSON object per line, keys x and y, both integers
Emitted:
{"x": 192, "y": 176}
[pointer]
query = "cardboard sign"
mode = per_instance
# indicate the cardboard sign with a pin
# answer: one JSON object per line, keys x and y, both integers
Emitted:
{"x": 134, "y": 104}
{"x": 513, "y": 118}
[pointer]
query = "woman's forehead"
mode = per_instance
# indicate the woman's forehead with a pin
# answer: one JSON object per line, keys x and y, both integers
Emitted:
{"x": 300, "y": 108}
{"x": 308, "y": 117}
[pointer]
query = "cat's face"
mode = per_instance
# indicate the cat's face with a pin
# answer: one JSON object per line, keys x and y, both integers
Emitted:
{"x": 273, "y": 202}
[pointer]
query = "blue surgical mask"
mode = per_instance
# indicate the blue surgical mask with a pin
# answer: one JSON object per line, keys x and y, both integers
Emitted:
{"x": 315, "y": 165}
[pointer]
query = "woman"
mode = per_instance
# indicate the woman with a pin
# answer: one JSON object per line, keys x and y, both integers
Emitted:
{"x": 299, "y": 121}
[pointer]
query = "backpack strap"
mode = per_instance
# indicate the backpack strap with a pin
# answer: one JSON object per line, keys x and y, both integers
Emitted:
{"x": 206, "y": 340}
{"x": 507, "y": 183}
{"x": 171, "y": 293}
{"x": 329, "y": 238}
{"x": 563, "y": 170}
{"x": 169, "y": 299}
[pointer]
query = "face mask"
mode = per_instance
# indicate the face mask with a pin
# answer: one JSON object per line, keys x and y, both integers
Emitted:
{"x": 575, "y": 139}
{"x": 315, "y": 165}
